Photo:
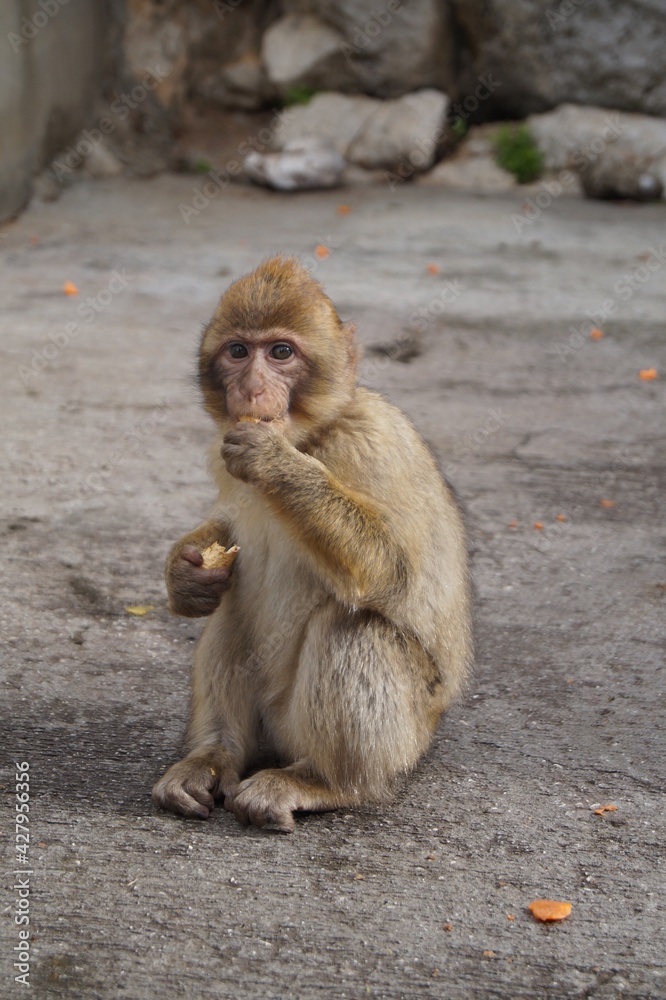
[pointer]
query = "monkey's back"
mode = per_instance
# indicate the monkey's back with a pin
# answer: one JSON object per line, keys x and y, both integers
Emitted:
{"x": 374, "y": 449}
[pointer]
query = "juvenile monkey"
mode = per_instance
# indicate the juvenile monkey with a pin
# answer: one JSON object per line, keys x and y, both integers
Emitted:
{"x": 342, "y": 631}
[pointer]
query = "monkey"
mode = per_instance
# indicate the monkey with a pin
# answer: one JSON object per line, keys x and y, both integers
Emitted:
{"x": 342, "y": 631}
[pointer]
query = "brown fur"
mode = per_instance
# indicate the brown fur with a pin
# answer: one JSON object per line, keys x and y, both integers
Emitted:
{"x": 343, "y": 631}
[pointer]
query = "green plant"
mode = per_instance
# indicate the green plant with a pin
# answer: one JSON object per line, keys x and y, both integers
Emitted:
{"x": 202, "y": 166}
{"x": 459, "y": 128}
{"x": 298, "y": 95}
{"x": 516, "y": 152}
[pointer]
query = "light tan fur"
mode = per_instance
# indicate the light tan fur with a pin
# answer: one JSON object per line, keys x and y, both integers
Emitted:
{"x": 343, "y": 631}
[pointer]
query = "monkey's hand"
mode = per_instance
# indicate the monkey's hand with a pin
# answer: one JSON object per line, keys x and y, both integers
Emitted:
{"x": 252, "y": 451}
{"x": 191, "y": 786}
{"x": 194, "y": 591}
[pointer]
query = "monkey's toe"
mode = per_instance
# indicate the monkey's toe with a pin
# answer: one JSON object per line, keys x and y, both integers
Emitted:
{"x": 187, "y": 798}
{"x": 259, "y": 802}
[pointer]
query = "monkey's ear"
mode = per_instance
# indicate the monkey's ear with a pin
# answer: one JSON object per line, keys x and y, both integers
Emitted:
{"x": 353, "y": 349}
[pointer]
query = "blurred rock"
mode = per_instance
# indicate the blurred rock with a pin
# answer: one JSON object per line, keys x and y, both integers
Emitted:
{"x": 156, "y": 40}
{"x": 301, "y": 50}
{"x": 100, "y": 162}
{"x": 608, "y": 52}
{"x": 407, "y": 129}
{"x": 617, "y": 174}
{"x": 391, "y": 47}
{"x": 371, "y": 133}
{"x": 45, "y": 187}
{"x": 333, "y": 118}
{"x": 471, "y": 173}
{"x": 242, "y": 85}
{"x": 302, "y": 165}
{"x": 616, "y": 154}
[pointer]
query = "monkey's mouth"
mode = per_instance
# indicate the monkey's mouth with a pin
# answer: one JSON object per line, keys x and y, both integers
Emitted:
{"x": 247, "y": 419}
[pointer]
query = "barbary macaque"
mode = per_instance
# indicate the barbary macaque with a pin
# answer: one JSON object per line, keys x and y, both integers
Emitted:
{"x": 342, "y": 630}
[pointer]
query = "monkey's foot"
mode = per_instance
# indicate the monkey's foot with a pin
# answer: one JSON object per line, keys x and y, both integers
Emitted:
{"x": 272, "y": 796}
{"x": 191, "y": 786}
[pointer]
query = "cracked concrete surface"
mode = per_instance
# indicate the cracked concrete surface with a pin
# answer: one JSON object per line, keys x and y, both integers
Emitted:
{"x": 104, "y": 465}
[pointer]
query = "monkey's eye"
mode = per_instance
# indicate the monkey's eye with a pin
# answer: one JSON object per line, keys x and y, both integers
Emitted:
{"x": 237, "y": 350}
{"x": 281, "y": 352}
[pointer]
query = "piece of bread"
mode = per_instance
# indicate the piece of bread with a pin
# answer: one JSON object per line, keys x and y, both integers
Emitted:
{"x": 216, "y": 556}
{"x": 249, "y": 420}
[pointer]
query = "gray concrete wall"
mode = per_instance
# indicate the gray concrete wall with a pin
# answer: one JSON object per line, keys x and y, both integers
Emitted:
{"x": 50, "y": 73}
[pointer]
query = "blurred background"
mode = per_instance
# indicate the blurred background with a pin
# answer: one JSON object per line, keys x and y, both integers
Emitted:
{"x": 402, "y": 88}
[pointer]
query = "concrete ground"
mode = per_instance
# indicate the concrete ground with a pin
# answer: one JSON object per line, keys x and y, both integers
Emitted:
{"x": 104, "y": 466}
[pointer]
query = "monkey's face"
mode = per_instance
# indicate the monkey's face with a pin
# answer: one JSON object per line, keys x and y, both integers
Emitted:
{"x": 258, "y": 372}
{"x": 276, "y": 350}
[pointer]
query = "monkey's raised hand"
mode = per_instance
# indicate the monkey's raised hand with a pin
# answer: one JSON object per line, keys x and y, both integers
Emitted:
{"x": 250, "y": 451}
{"x": 194, "y": 591}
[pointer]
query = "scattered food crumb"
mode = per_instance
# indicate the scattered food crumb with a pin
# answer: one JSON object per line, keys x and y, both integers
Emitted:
{"x": 560, "y": 517}
{"x": 322, "y": 252}
{"x": 648, "y": 374}
{"x": 596, "y": 334}
{"x": 344, "y": 209}
{"x": 447, "y": 927}
{"x": 549, "y": 909}
{"x": 604, "y": 809}
{"x": 510, "y": 916}
{"x": 489, "y": 954}
{"x": 513, "y": 524}
{"x": 42, "y": 843}
{"x": 359, "y": 877}
{"x": 139, "y": 609}
{"x": 435, "y": 972}
{"x": 607, "y": 503}
{"x": 433, "y": 269}
{"x": 538, "y": 525}
{"x": 69, "y": 288}
{"x": 430, "y": 857}
{"x": 34, "y": 240}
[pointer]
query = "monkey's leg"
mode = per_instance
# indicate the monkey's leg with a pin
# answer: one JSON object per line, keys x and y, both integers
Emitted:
{"x": 364, "y": 707}
{"x": 222, "y": 732}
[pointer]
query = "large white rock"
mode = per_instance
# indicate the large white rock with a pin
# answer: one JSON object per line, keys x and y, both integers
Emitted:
{"x": 372, "y": 133}
{"x": 409, "y": 129}
{"x": 300, "y": 166}
{"x": 615, "y": 153}
{"x": 301, "y": 50}
{"x": 333, "y": 118}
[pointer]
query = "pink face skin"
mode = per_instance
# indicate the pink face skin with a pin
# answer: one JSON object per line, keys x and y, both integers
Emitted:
{"x": 260, "y": 370}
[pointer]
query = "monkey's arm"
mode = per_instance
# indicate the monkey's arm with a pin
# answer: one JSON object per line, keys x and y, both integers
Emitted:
{"x": 194, "y": 591}
{"x": 345, "y": 533}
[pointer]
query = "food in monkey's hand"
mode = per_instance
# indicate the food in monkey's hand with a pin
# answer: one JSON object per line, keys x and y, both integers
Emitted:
{"x": 216, "y": 556}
